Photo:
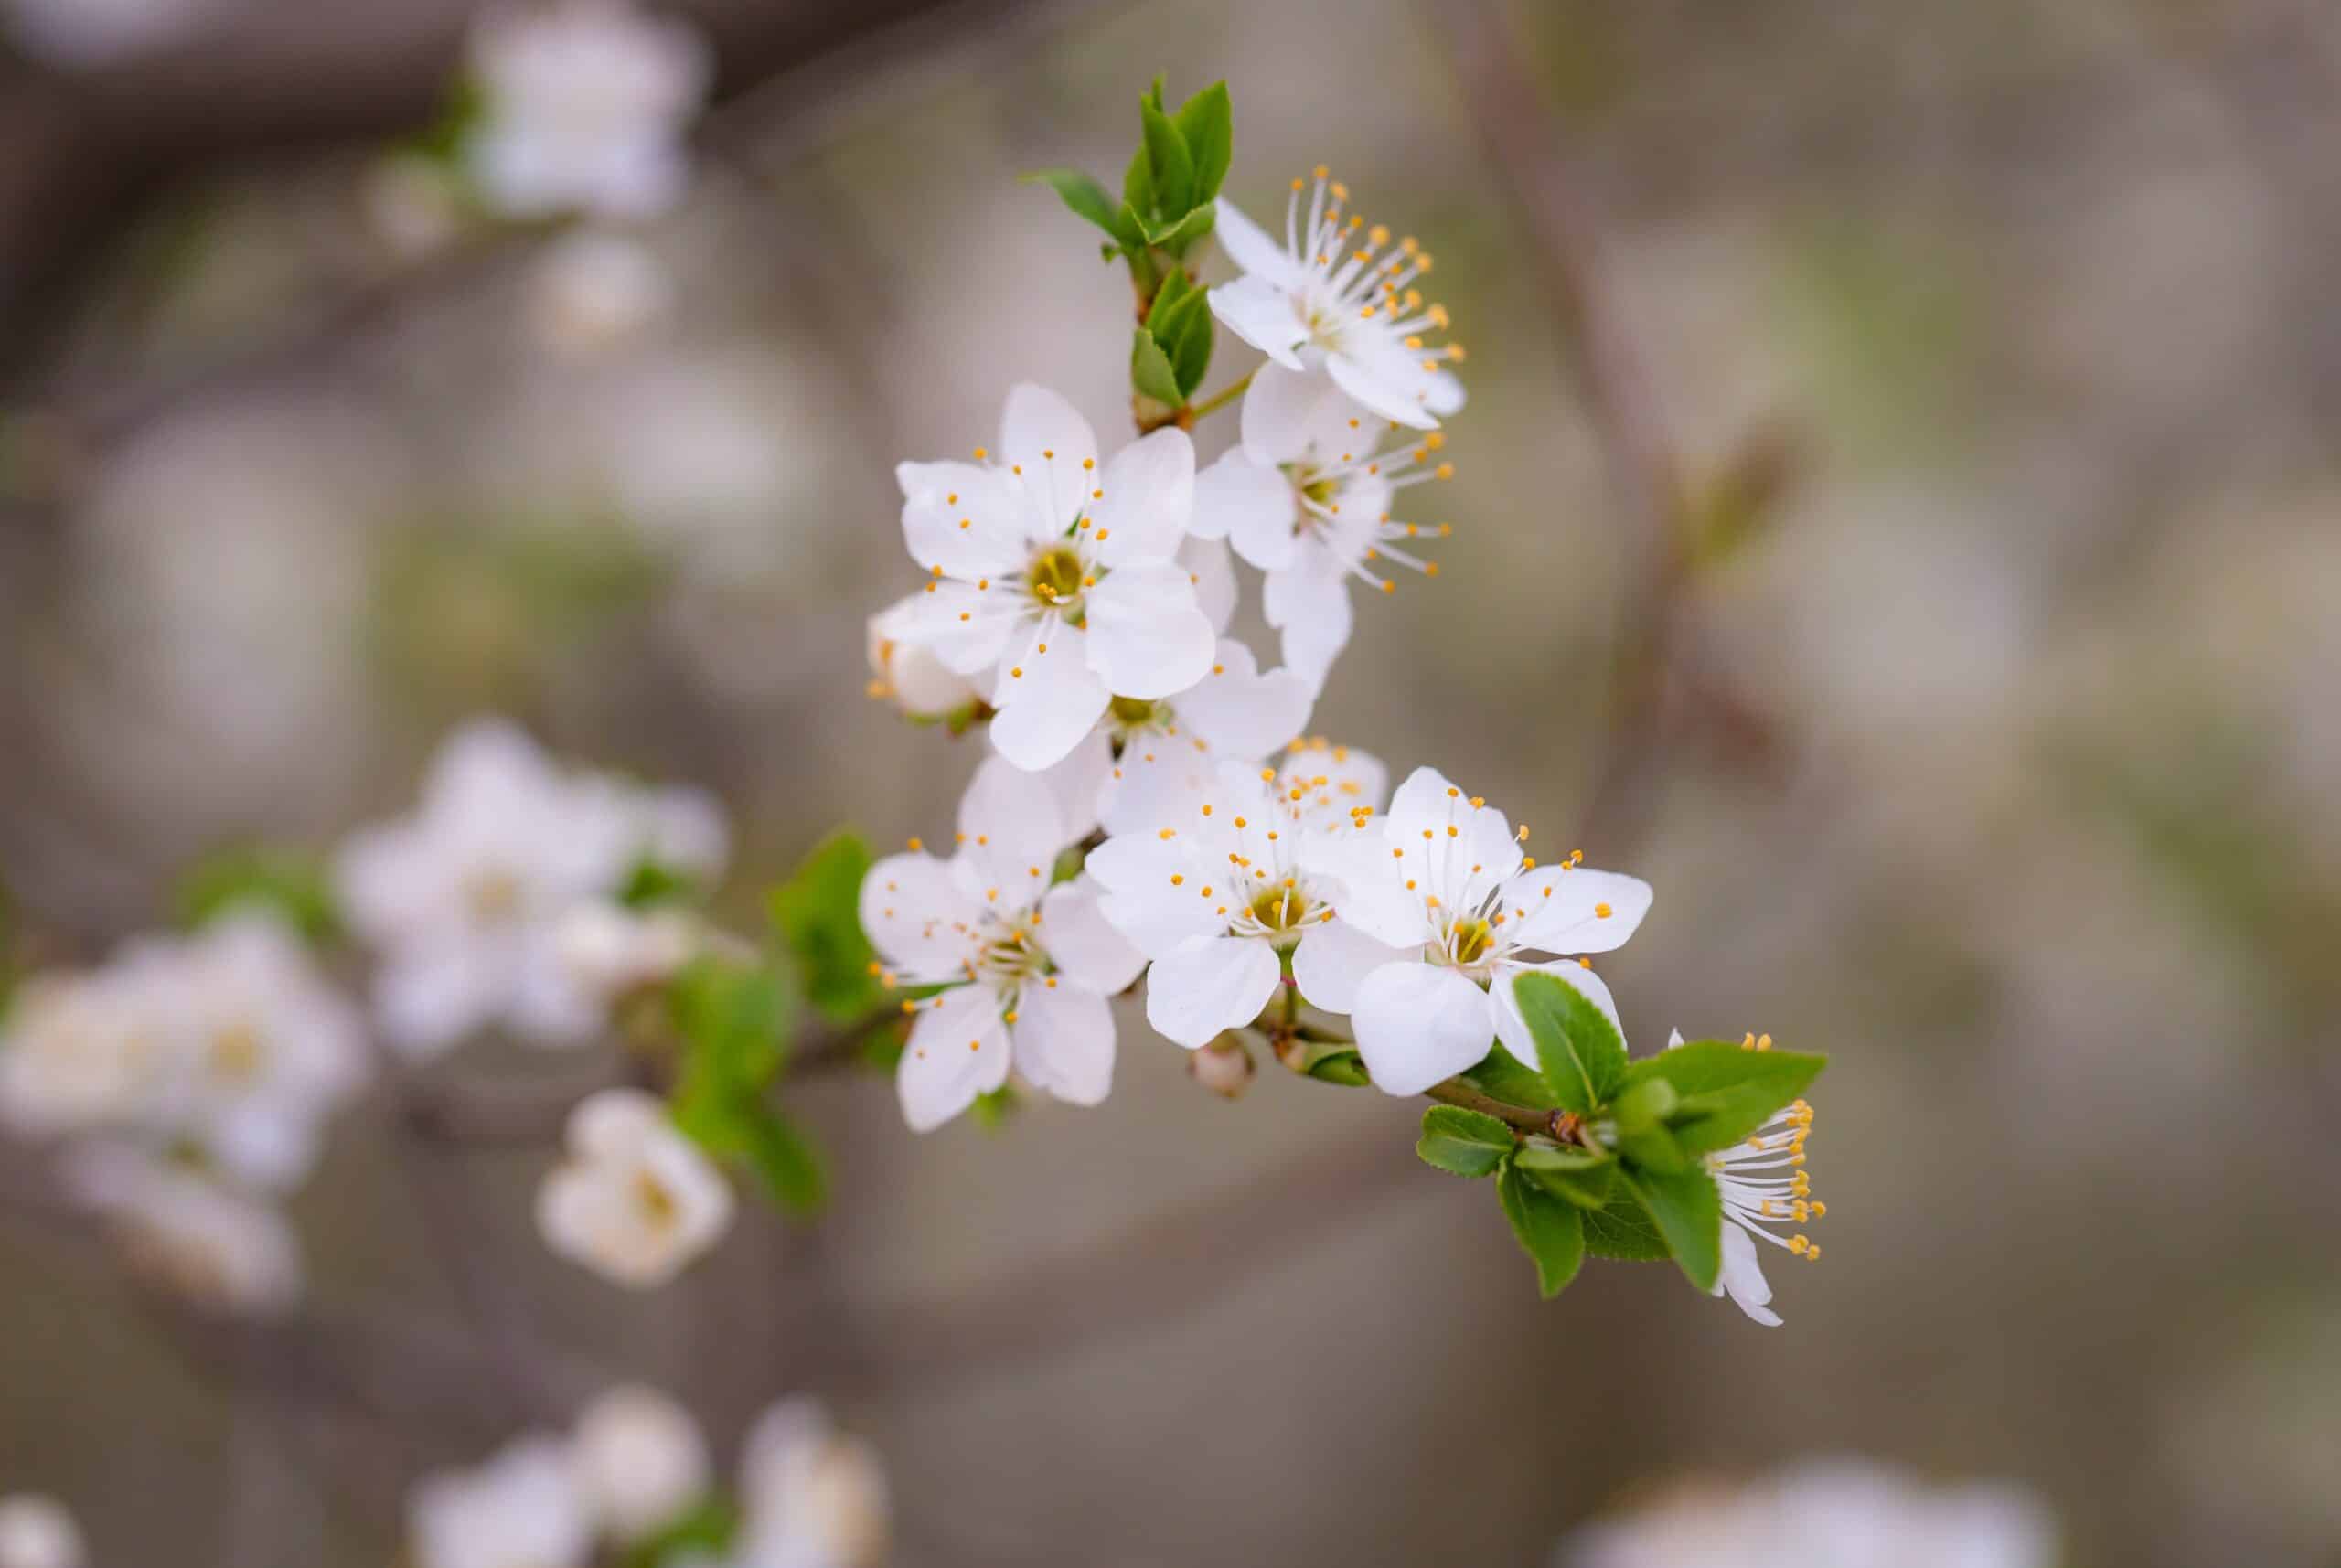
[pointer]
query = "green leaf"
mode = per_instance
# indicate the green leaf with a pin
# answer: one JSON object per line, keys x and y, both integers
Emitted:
{"x": 818, "y": 913}
{"x": 733, "y": 1023}
{"x": 1582, "y": 1058}
{"x": 650, "y": 882}
{"x": 707, "y": 1529}
{"x": 1644, "y": 1104}
{"x": 1501, "y": 1076}
{"x": 1151, "y": 370}
{"x": 1346, "y": 1068}
{"x": 1652, "y": 1147}
{"x": 1688, "y": 1212}
{"x": 1086, "y": 199}
{"x": 1725, "y": 1090}
{"x": 1549, "y": 1230}
{"x": 1137, "y": 190}
{"x": 1462, "y": 1141}
{"x": 295, "y": 888}
{"x": 791, "y": 1167}
{"x": 1206, "y": 123}
{"x": 1584, "y": 1177}
{"x": 1178, "y": 235}
{"x": 1173, "y": 167}
{"x": 1623, "y": 1229}
{"x": 1182, "y": 328}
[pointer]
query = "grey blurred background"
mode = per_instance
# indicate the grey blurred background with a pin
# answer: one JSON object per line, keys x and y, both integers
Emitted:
{"x": 1991, "y": 743}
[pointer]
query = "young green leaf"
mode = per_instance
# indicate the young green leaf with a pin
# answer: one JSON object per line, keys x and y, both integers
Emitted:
{"x": 1151, "y": 370}
{"x": 1584, "y": 1177}
{"x": 1346, "y": 1068}
{"x": 1688, "y": 1212}
{"x": 1085, "y": 198}
{"x": 1177, "y": 236}
{"x": 780, "y": 1153}
{"x": 707, "y": 1530}
{"x": 818, "y": 913}
{"x": 1206, "y": 122}
{"x": 1137, "y": 190}
{"x": 1579, "y": 1049}
{"x": 1173, "y": 166}
{"x": 1622, "y": 1230}
{"x": 293, "y": 887}
{"x": 1644, "y": 1104}
{"x": 1549, "y": 1230}
{"x": 1462, "y": 1141}
{"x": 1190, "y": 353}
{"x": 1725, "y": 1092}
{"x": 1501, "y": 1076}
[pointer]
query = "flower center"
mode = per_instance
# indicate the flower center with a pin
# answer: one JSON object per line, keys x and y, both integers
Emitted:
{"x": 492, "y": 894}
{"x": 1133, "y": 713}
{"x": 659, "y": 1205}
{"x": 236, "y": 1053}
{"x": 1280, "y": 909}
{"x": 1468, "y": 940}
{"x": 1057, "y": 576}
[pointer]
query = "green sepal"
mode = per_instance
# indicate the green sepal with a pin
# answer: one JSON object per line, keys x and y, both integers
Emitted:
{"x": 1582, "y": 1177}
{"x": 1206, "y": 123}
{"x": 1087, "y": 200}
{"x": 1462, "y": 1141}
{"x": 1579, "y": 1050}
{"x": 1550, "y": 1230}
{"x": 1151, "y": 370}
{"x": 1725, "y": 1090}
{"x": 296, "y": 888}
{"x": 1622, "y": 1230}
{"x": 1688, "y": 1212}
{"x": 1346, "y": 1068}
{"x": 818, "y": 913}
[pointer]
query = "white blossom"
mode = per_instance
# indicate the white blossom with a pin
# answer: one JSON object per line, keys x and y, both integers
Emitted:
{"x": 592, "y": 291}
{"x": 638, "y": 1461}
{"x": 1307, "y": 498}
{"x": 910, "y": 675}
{"x": 635, "y": 1200}
{"x": 80, "y": 1051}
{"x": 1439, "y": 912}
{"x": 611, "y": 950}
{"x": 1337, "y": 293}
{"x": 1057, "y": 580}
{"x": 1225, "y": 892}
{"x": 464, "y": 898}
{"x": 522, "y": 1509}
{"x": 1027, "y": 967}
{"x": 1764, "y": 1185}
{"x": 810, "y": 1498}
{"x": 586, "y": 102}
{"x": 37, "y": 1533}
{"x": 1833, "y": 1513}
{"x": 196, "y": 1237}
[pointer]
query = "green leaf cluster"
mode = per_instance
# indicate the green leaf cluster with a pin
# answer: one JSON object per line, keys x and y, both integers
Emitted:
{"x": 735, "y": 1021}
{"x": 1167, "y": 205}
{"x": 295, "y": 887}
{"x": 817, "y": 913}
{"x": 1618, "y": 1169}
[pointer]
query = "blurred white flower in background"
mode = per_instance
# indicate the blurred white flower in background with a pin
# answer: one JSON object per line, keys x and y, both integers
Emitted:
{"x": 809, "y": 1496}
{"x": 635, "y": 1201}
{"x": 609, "y": 950}
{"x": 1335, "y": 293}
{"x": 37, "y": 1533}
{"x": 79, "y": 1051}
{"x": 585, "y": 106}
{"x": 639, "y": 1461}
{"x": 198, "y": 1238}
{"x": 1027, "y": 967}
{"x": 522, "y": 1509}
{"x": 1844, "y": 1513}
{"x": 593, "y": 291}
{"x": 88, "y": 35}
{"x": 414, "y": 204}
{"x": 465, "y": 899}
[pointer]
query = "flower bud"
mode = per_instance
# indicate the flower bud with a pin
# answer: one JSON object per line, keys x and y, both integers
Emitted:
{"x": 1224, "y": 1067}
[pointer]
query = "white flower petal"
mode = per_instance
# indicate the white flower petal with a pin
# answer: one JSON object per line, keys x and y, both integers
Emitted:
{"x": 1391, "y": 382}
{"x": 1147, "y": 638}
{"x": 916, "y": 916}
{"x": 1149, "y": 499}
{"x": 1209, "y": 568}
{"x": 958, "y": 1049}
{"x": 1417, "y": 1023}
{"x": 1082, "y": 942}
{"x": 1064, "y": 1042}
{"x": 1249, "y": 504}
{"x": 1218, "y": 984}
{"x": 1311, "y": 610}
{"x": 1580, "y": 910}
{"x": 1048, "y": 694}
{"x": 1743, "y": 1276}
{"x": 1513, "y": 1029}
{"x": 428, "y": 998}
{"x": 1240, "y": 713}
{"x": 1252, "y": 248}
{"x": 1011, "y": 828}
{"x": 966, "y": 629}
{"x": 1333, "y": 960}
{"x": 1042, "y": 434}
{"x": 971, "y": 533}
{"x": 1289, "y": 415}
{"x": 1262, "y": 315}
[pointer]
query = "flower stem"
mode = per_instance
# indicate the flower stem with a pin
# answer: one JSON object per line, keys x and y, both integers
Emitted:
{"x": 1225, "y": 396}
{"x": 1452, "y": 1093}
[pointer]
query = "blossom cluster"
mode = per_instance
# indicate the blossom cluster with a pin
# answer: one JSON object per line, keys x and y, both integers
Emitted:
{"x": 634, "y": 1475}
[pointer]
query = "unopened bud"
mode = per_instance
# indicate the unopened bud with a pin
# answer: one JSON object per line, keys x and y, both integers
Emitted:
{"x": 1223, "y": 1067}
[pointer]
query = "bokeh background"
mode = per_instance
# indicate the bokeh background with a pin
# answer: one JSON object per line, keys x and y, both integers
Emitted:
{"x": 1988, "y": 737}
